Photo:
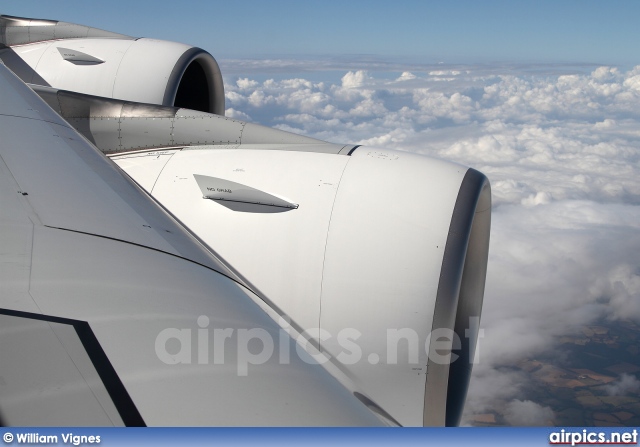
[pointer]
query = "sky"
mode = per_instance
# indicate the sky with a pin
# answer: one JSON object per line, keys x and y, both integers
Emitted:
{"x": 427, "y": 31}
{"x": 543, "y": 97}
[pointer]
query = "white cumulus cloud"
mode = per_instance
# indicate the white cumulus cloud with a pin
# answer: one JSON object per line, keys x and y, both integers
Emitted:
{"x": 527, "y": 413}
{"x": 627, "y": 384}
{"x": 355, "y": 79}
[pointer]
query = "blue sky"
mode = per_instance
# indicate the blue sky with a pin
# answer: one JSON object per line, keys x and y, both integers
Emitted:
{"x": 595, "y": 32}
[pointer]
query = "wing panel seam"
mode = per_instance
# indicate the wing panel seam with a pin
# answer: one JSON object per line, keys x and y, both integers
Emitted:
{"x": 114, "y": 386}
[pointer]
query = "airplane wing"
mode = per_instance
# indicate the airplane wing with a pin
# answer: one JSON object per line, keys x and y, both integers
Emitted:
{"x": 97, "y": 283}
{"x": 374, "y": 259}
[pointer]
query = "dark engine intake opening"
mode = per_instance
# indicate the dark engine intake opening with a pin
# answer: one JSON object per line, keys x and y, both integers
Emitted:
{"x": 193, "y": 90}
{"x": 459, "y": 301}
{"x": 467, "y": 323}
{"x": 196, "y": 83}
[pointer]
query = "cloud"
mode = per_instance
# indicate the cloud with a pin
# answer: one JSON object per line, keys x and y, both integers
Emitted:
{"x": 355, "y": 79}
{"x": 246, "y": 84}
{"x": 237, "y": 114}
{"x": 406, "y": 76}
{"x": 625, "y": 385}
{"x": 561, "y": 147}
{"x": 527, "y": 413}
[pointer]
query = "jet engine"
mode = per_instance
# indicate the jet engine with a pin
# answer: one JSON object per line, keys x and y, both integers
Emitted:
{"x": 96, "y": 62}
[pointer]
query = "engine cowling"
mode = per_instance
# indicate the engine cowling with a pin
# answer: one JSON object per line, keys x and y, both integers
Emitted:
{"x": 96, "y": 62}
{"x": 377, "y": 257}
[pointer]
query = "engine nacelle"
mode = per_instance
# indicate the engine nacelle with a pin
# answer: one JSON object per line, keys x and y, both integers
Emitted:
{"x": 111, "y": 65}
{"x": 379, "y": 257}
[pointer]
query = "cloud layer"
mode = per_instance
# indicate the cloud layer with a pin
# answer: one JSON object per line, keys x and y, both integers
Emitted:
{"x": 562, "y": 151}
{"x": 626, "y": 384}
